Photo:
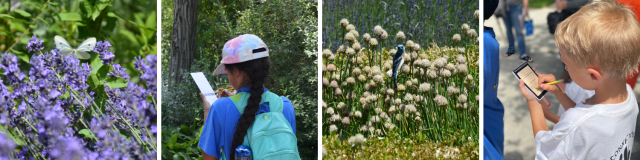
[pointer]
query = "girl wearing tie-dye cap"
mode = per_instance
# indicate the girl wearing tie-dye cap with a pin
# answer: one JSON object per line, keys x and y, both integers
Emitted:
{"x": 245, "y": 60}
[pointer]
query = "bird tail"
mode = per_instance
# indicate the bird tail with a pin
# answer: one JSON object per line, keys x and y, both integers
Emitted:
{"x": 395, "y": 84}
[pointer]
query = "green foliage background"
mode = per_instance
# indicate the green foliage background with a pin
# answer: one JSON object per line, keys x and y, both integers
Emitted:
{"x": 129, "y": 25}
{"x": 288, "y": 27}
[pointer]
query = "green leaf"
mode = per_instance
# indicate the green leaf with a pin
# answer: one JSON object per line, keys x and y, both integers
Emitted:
{"x": 27, "y": 2}
{"x": 173, "y": 141}
{"x": 96, "y": 63}
{"x": 87, "y": 133}
{"x": 23, "y": 56}
{"x": 8, "y": 34}
{"x": 111, "y": 14}
{"x": 118, "y": 83}
{"x": 97, "y": 9}
{"x": 9, "y": 17}
{"x": 22, "y": 12}
{"x": 70, "y": 16}
{"x": 88, "y": 7}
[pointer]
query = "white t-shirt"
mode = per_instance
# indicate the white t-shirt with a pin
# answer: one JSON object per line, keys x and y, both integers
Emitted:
{"x": 576, "y": 94}
{"x": 603, "y": 131}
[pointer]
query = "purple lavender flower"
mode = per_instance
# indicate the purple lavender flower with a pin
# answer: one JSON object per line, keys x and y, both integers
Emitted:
{"x": 102, "y": 48}
{"x": 119, "y": 72}
{"x": 6, "y": 147}
{"x": 35, "y": 44}
{"x": 9, "y": 63}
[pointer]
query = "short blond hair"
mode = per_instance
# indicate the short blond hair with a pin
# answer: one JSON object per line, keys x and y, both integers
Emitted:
{"x": 604, "y": 34}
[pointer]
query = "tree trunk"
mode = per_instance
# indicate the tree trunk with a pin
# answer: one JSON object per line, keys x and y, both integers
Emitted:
{"x": 183, "y": 37}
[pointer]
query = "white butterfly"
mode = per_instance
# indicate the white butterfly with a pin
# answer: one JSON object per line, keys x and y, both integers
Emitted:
{"x": 80, "y": 52}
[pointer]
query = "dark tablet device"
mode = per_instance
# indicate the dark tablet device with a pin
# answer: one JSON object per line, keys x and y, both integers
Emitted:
{"x": 530, "y": 78}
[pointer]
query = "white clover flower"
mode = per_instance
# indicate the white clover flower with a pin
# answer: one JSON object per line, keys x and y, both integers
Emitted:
{"x": 350, "y": 27}
{"x": 324, "y": 151}
{"x": 465, "y": 27}
{"x": 378, "y": 110}
{"x": 373, "y": 42}
{"x": 439, "y": 63}
{"x": 359, "y": 139}
{"x": 326, "y": 53}
{"x": 346, "y": 121}
{"x": 355, "y": 33}
{"x": 426, "y": 63}
{"x": 330, "y": 110}
{"x": 450, "y": 67}
{"x": 410, "y": 109}
{"x": 393, "y": 52}
{"x": 344, "y": 23}
{"x": 440, "y": 100}
{"x": 331, "y": 58}
{"x": 377, "y": 30}
{"x": 406, "y": 69}
{"x": 397, "y": 101}
{"x": 367, "y": 69}
{"x": 335, "y": 117}
{"x": 462, "y": 69}
{"x": 350, "y": 52}
{"x": 451, "y": 90}
{"x": 408, "y": 83}
{"x": 432, "y": 74}
{"x": 445, "y": 73}
{"x": 356, "y": 46}
{"x": 356, "y": 71}
{"x": 363, "y": 100}
{"x": 349, "y": 37}
{"x": 342, "y": 48}
{"x": 363, "y": 128}
{"x": 461, "y": 50}
{"x": 424, "y": 87}
{"x": 389, "y": 126}
{"x": 456, "y": 38}
{"x": 392, "y": 109}
{"x": 335, "y": 76}
{"x": 409, "y": 43}
{"x": 325, "y": 81}
{"x": 331, "y": 68}
{"x": 378, "y": 79}
{"x": 337, "y": 92}
{"x": 462, "y": 98}
{"x": 362, "y": 78}
{"x": 384, "y": 35}
{"x": 472, "y": 33}
{"x": 366, "y": 37}
{"x": 358, "y": 114}
{"x": 340, "y": 105}
{"x": 418, "y": 119}
{"x": 401, "y": 88}
{"x": 333, "y": 128}
{"x": 400, "y": 36}
{"x": 375, "y": 119}
{"x": 416, "y": 47}
{"x": 461, "y": 59}
{"x": 476, "y": 15}
{"x": 334, "y": 84}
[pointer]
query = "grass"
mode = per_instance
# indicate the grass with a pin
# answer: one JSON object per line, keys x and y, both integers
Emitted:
{"x": 540, "y": 3}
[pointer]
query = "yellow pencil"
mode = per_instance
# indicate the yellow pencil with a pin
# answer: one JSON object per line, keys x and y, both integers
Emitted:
{"x": 554, "y": 82}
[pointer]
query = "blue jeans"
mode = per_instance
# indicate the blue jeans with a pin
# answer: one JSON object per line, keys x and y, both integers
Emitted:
{"x": 512, "y": 21}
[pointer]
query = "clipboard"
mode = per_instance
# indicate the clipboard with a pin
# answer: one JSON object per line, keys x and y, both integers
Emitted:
{"x": 530, "y": 78}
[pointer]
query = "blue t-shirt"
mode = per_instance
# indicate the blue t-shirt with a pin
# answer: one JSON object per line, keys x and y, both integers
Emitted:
{"x": 493, "y": 109}
{"x": 221, "y": 122}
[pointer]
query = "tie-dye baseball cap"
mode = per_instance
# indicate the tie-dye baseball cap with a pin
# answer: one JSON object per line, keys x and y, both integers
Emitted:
{"x": 240, "y": 49}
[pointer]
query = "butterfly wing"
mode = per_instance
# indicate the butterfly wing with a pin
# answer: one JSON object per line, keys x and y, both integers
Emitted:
{"x": 81, "y": 54}
{"x": 61, "y": 43}
{"x": 88, "y": 45}
{"x": 67, "y": 51}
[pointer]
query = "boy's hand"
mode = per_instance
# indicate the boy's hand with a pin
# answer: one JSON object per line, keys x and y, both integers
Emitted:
{"x": 546, "y": 78}
{"x": 528, "y": 95}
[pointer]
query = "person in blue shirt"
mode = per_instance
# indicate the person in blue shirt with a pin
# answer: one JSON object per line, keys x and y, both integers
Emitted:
{"x": 493, "y": 109}
{"x": 245, "y": 60}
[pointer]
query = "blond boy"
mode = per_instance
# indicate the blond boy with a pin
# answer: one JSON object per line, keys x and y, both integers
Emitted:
{"x": 600, "y": 45}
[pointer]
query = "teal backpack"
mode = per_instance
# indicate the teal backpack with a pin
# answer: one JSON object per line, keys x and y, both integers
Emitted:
{"x": 270, "y": 136}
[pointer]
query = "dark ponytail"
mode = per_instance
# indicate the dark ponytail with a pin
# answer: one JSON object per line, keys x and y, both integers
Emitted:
{"x": 257, "y": 70}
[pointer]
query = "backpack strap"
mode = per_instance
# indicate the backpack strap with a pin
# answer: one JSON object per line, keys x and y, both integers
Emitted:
{"x": 276, "y": 104}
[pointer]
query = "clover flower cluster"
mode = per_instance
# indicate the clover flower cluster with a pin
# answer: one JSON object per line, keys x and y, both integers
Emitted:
{"x": 54, "y": 110}
{"x": 433, "y": 84}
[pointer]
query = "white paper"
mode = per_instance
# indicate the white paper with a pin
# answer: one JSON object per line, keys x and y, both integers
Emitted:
{"x": 205, "y": 88}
